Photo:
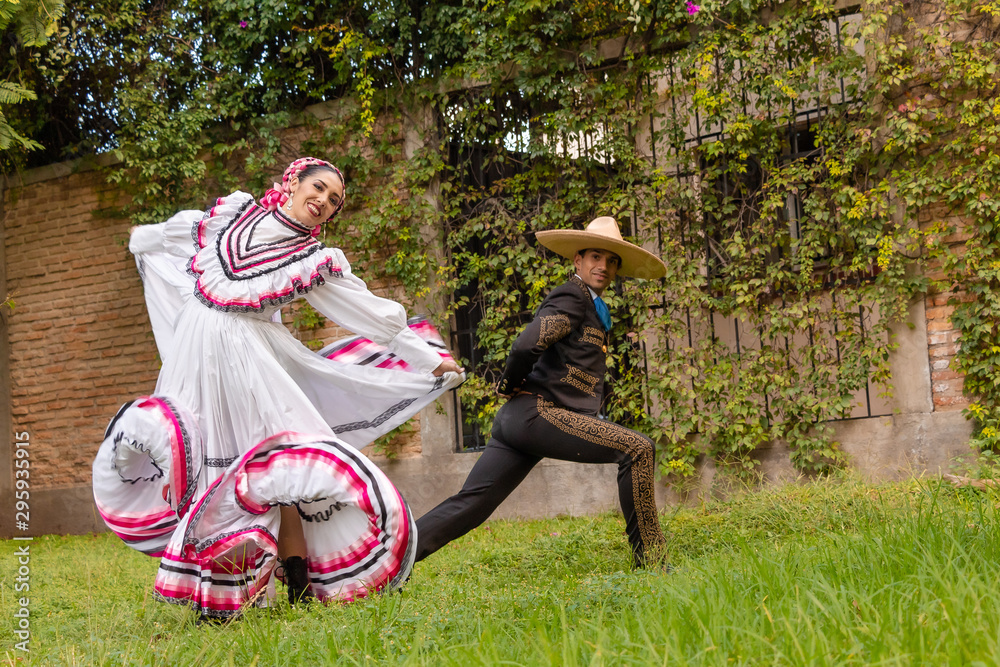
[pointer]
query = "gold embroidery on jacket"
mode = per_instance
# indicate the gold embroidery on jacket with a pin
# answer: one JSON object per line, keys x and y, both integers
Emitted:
{"x": 593, "y": 336}
{"x": 585, "y": 382}
{"x": 552, "y": 328}
{"x": 637, "y": 446}
{"x": 582, "y": 285}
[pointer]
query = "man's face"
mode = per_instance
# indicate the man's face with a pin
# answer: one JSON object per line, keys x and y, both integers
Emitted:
{"x": 597, "y": 268}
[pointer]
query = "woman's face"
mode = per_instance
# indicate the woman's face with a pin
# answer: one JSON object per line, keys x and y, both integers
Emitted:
{"x": 315, "y": 197}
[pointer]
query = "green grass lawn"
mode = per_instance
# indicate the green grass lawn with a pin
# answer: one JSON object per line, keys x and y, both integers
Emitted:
{"x": 834, "y": 573}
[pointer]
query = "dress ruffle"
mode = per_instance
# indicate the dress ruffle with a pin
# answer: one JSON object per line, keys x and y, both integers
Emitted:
{"x": 359, "y": 351}
{"x": 360, "y": 534}
{"x": 146, "y": 471}
{"x": 247, "y": 258}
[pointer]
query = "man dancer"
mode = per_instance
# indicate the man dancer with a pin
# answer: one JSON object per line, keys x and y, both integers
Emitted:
{"x": 554, "y": 379}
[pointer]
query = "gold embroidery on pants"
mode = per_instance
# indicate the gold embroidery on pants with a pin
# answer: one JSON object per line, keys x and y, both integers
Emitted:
{"x": 637, "y": 446}
{"x": 593, "y": 336}
{"x": 552, "y": 328}
{"x": 585, "y": 382}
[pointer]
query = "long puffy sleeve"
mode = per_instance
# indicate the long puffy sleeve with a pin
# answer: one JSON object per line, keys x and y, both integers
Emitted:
{"x": 172, "y": 237}
{"x": 348, "y": 302}
{"x": 161, "y": 255}
{"x": 561, "y": 313}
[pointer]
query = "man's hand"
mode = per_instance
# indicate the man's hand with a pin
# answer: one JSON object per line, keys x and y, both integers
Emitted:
{"x": 509, "y": 393}
{"x": 446, "y": 367}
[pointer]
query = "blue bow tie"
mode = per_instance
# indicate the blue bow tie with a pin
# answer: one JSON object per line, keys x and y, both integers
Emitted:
{"x": 603, "y": 313}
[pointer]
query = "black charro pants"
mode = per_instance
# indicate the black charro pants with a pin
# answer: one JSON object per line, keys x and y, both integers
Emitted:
{"x": 528, "y": 429}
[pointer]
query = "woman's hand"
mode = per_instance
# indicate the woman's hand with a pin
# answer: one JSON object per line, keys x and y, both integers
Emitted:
{"x": 508, "y": 396}
{"x": 446, "y": 367}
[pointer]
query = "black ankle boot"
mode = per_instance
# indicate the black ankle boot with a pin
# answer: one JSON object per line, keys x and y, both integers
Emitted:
{"x": 297, "y": 580}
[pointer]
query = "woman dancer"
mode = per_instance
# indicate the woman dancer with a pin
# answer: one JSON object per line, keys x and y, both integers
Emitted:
{"x": 247, "y": 451}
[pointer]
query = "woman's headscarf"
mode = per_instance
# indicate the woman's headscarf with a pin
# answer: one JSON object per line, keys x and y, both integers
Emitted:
{"x": 276, "y": 196}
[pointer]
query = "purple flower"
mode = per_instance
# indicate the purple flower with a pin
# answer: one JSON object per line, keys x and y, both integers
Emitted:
{"x": 243, "y": 24}
{"x": 692, "y": 8}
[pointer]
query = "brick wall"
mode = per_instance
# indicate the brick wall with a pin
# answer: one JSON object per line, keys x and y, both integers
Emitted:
{"x": 942, "y": 337}
{"x": 80, "y": 342}
{"x": 942, "y": 345}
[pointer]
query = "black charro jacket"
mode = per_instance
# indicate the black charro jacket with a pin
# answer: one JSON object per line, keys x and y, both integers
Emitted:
{"x": 562, "y": 354}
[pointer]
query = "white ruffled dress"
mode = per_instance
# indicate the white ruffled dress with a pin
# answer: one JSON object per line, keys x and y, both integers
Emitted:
{"x": 244, "y": 418}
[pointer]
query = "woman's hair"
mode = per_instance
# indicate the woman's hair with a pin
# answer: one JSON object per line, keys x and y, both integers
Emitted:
{"x": 301, "y": 168}
{"x": 316, "y": 168}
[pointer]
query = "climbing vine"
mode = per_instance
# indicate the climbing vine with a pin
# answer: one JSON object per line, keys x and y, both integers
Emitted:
{"x": 809, "y": 233}
{"x": 805, "y": 169}
{"x": 716, "y": 207}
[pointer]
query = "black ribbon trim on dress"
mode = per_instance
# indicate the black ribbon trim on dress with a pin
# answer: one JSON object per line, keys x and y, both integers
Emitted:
{"x": 220, "y": 463}
{"x": 240, "y": 580}
{"x": 245, "y": 223}
{"x": 372, "y": 358}
{"x": 382, "y": 418}
{"x": 299, "y": 287}
{"x": 118, "y": 415}
{"x": 371, "y": 559}
{"x": 409, "y": 556}
{"x": 383, "y": 518}
{"x": 155, "y": 543}
{"x": 188, "y": 454}
{"x": 139, "y": 447}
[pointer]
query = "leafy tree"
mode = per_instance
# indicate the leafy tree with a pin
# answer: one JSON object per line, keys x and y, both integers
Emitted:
{"x": 28, "y": 26}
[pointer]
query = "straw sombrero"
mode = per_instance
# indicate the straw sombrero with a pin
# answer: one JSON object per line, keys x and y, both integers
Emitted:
{"x": 602, "y": 233}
